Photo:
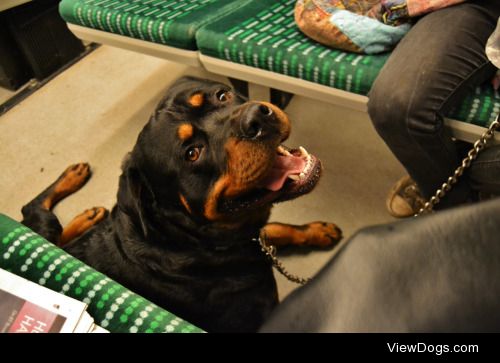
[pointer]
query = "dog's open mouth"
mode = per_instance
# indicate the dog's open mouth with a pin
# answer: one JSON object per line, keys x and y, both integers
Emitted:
{"x": 295, "y": 172}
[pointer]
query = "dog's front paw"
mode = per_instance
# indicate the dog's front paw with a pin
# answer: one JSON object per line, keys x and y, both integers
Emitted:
{"x": 322, "y": 234}
{"x": 73, "y": 178}
{"x": 81, "y": 223}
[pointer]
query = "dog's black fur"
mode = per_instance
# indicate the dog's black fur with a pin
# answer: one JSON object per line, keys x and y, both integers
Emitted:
{"x": 176, "y": 236}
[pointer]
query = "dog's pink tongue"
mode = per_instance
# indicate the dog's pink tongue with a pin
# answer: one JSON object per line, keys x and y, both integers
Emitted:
{"x": 282, "y": 168}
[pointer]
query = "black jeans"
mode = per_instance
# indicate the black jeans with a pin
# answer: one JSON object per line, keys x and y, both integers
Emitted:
{"x": 440, "y": 59}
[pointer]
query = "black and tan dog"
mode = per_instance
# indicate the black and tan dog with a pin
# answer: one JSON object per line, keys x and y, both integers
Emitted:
{"x": 194, "y": 194}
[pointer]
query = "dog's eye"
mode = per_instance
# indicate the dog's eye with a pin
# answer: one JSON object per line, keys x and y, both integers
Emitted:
{"x": 222, "y": 95}
{"x": 193, "y": 153}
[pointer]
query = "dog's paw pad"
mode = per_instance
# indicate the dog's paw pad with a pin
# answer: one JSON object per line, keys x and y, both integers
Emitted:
{"x": 95, "y": 214}
{"x": 73, "y": 178}
{"x": 322, "y": 234}
{"x": 89, "y": 218}
{"x": 81, "y": 223}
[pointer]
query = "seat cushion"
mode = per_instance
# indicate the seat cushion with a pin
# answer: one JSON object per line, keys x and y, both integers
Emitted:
{"x": 167, "y": 22}
{"x": 263, "y": 34}
{"x": 119, "y": 310}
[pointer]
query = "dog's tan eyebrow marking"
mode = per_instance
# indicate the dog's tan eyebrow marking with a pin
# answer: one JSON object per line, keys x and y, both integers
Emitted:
{"x": 196, "y": 100}
{"x": 185, "y": 203}
{"x": 185, "y": 132}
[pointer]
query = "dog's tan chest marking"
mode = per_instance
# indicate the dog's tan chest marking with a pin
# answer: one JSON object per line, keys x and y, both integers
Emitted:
{"x": 185, "y": 132}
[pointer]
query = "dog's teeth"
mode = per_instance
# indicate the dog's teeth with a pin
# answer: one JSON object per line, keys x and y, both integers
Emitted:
{"x": 309, "y": 163}
{"x": 302, "y": 176}
{"x": 283, "y": 151}
{"x": 303, "y": 152}
{"x": 294, "y": 177}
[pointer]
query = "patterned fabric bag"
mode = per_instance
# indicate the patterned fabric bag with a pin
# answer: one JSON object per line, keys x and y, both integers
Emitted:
{"x": 361, "y": 26}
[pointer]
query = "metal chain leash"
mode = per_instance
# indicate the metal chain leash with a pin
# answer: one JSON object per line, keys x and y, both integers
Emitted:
{"x": 270, "y": 251}
{"x": 466, "y": 162}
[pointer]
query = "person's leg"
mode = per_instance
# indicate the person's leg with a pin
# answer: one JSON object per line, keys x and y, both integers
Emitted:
{"x": 484, "y": 173}
{"x": 431, "y": 69}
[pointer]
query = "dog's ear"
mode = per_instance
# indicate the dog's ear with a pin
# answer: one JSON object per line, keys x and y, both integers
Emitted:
{"x": 133, "y": 193}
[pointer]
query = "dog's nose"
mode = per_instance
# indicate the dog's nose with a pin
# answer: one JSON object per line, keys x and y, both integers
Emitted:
{"x": 256, "y": 121}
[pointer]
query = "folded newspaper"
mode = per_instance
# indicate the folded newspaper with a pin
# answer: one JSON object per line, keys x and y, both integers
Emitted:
{"x": 26, "y": 307}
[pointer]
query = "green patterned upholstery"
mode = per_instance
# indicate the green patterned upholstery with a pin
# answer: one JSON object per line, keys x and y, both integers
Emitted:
{"x": 257, "y": 33}
{"x": 112, "y": 306}
{"x": 479, "y": 107}
{"x": 263, "y": 34}
{"x": 166, "y": 22}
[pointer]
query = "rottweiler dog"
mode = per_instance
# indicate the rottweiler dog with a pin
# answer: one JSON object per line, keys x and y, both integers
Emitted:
{"x": 194, "y": 194}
